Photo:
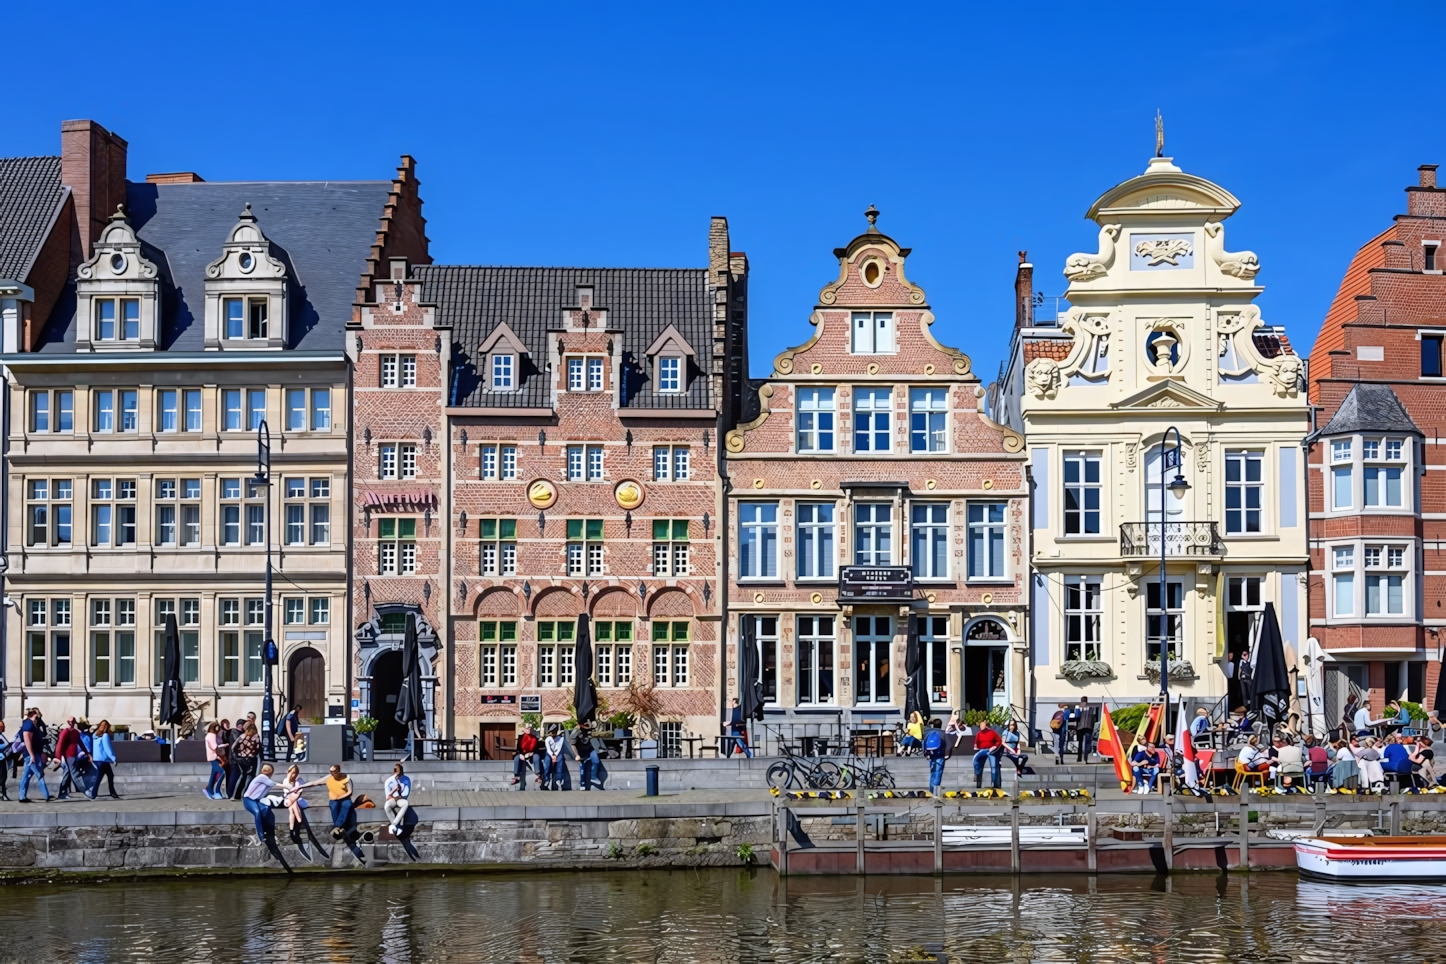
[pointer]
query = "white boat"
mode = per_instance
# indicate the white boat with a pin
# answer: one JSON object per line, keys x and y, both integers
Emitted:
{"x": 1417, "y": 858}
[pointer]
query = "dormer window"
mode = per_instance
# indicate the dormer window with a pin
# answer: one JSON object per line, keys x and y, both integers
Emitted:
{"x": 873, "y": 332}
{"x": 503, "y": 369}
{"x": 117, "y": 319}
{"x": 584, "y": 374}
{"x": 245, "y": 317}
{"x": 670, "y": 353}
{"x": 246, "y": 293}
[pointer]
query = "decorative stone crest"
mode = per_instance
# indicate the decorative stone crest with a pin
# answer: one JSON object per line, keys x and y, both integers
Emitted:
{"x": 1238, "y": 264}
{"x": 1158, "y": 251}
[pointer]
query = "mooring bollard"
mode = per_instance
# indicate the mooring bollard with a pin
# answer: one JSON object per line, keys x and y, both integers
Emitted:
{"x": 652, "y": 779}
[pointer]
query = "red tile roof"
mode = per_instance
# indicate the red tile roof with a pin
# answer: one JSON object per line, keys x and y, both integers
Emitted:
{"x": 1357, "y": 281}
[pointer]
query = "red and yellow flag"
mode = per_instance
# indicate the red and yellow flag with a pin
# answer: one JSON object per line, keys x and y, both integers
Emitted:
{"x": 1109, "y": 745}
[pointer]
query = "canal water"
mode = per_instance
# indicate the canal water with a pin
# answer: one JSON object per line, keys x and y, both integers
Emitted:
{"x": 691, "y": 917}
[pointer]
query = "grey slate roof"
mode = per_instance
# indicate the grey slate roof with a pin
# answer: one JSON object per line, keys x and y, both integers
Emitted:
{"x": 322, "y": 230}
{"x": 30, "y": 196}
{"x": 642, "y": 302}
{"x": 1370, "y": 408}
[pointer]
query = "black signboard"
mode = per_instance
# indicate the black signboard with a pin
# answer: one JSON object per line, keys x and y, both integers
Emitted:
{"x": 498, "y": 700}
{"x": 532, "y": 703}
{"x": 875, "y": 584}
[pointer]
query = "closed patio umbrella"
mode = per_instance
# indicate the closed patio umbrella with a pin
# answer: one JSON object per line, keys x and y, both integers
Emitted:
{"x": 750, "y": 688}
{"x": 584, "y": 690}
{"x": 1440, "y": 703}
{"x": 916, "y": 695}
{"x": 409, "y": 701}
{"x": 173, "y": 698}
{"x": 1270, "y": 682}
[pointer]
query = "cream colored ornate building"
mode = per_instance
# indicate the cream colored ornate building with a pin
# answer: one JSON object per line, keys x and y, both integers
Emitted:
{"x": 1160, "y": 333}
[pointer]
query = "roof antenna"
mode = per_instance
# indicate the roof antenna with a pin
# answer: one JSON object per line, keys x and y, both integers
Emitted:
{"x": 1159, "y": 134}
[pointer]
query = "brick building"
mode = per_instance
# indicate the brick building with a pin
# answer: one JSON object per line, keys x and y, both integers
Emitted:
{"x": 1376, "y": 495}
{"x": 533, "y": 444}
{"x": 865, "y": 459}
{"x": 150, "y": 327}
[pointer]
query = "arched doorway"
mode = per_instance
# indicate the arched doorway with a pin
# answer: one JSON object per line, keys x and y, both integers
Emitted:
{"x": 306, "y": 683}
{"x": 386, "y": 687}
{"x": 986, "y": 665}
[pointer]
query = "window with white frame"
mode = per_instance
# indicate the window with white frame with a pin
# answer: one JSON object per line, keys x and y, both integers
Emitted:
{"x": 584, "y": 463}
{"x": 765, "y": 632}
{"x": 934, "y": 640}
{"x": 1341, "y": 474}
{"x": 1164, "y": 623}
{"x": 293, "y": 612}
{"x": 1242, "y": 593}
{"x": 671, "y": 463}
{"x": 188, "y": 624}
{"x": 815, "y": 419}
{"x": 498, "y": 546}
{"x": 986, "y": 540}
{"x": 178, "y": 512}
{"x": 1244, "y": 491}
{"x": 670, "y": 547}
{"x": 113, "y": 642}
{"x": 113, "y": 512}
{"x": 244, "y": 317}
{"x": 115, "y": 411}
{"x": 1343, "y": 580}
{"x": 614, "y": 652}
{"x": 929, "y": 539}
{"x": 243, "y": 518}
{"x": 119, "y": 319}
{"x": 1082, "y": 485}
{"x": 398, "y": 371}
{"x": 873, "y": 415}
{"x": 556, "y": 652}
{"x": 584, "y": 547}
{"x": 758, "y": 540}
{"x": 670, "y": 373}
{"x": 928, "y": 408}
{"x": 584, "y": 373}
{"x": 498, "y": 462}
{"x": 1383, "y": 472}
{"x": 319, "y": 511}
{"x": 873, "y": 533}
{"x": 316, "y": 417}
{"x": 1385, "y": 580}
{"x": 48, "y": 508}
{"x": 243, "y": 410}
{"x": 816, "y": 540}
{"x": 397, "y": 547}
{"x": 178, "y": 410}
{"x": 670, "y": 652}
{"x": 1083, "y": 612}
{"x": 52, "y": 411}
{"x": 873, "y": 643}
{"x": 320, "y": 611}
{"x": 497, "y": 651}
{"x": 873, "y": 332}
{"x": 815, "y": 660}
{"x": 47, "y": 645}
{"x": 504, "y": 373}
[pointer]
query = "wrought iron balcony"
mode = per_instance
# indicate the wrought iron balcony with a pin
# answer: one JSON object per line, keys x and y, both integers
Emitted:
{"x": 1181, "y": 539}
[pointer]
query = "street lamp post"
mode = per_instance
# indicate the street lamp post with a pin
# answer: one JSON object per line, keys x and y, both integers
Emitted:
{"x": 268, "y": 646}
{"x": 1177, "y": 486}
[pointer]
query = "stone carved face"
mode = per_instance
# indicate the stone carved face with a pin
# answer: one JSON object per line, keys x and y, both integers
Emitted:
{"x": 1042, "y": 377}
{"x": 1287, "y": 374}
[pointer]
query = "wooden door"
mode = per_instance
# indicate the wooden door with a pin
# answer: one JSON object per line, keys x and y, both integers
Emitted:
{"x": 308, "y": 684}
{"x": 491, "y": 733}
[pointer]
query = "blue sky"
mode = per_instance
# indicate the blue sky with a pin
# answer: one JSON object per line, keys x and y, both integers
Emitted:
{"x": 608, "y": 134}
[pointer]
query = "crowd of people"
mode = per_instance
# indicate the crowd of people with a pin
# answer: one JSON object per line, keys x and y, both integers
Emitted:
{"x": 546, "y": 757}
{"x": 81, "y": 755}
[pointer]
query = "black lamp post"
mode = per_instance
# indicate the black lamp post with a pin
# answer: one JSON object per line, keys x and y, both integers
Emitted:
{"x": 1177, "y": 487}
{"x": 268, "y": 646}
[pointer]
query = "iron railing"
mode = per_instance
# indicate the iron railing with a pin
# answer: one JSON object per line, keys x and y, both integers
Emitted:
{"x": 1181, "y": 539}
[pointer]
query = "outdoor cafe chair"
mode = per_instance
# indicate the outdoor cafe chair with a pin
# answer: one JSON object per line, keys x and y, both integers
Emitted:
{"x": 1244, "y": 776}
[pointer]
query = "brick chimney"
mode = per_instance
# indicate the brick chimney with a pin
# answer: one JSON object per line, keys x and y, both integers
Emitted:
{"x": 1024, "y": 293}
{"x": 1428, "y": 175}
{"x": 93, "y": 166}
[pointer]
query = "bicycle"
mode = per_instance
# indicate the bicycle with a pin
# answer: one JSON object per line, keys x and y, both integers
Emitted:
{"x": 856, "y": 771}
{"x": 798, "y": 771}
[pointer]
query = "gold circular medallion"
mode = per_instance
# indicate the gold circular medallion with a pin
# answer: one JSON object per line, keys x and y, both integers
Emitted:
{"x": 988, "y": 598}
{"x": 873, "y": 368}
{"x": 628, "y": 494}
{"x": 817, "y": 598}
{"x": 988, "y": 483}
{"x": 816, "y": 368}
{"x": 928, "y": 369}
{"x": 758, "y": 483}
{"x": 758, "y": 597}
{"x": 933, "y": 598}
{"x": 542, "y": 494}
{"x": 815, "y": 484}
{"x": 930, "y": 483}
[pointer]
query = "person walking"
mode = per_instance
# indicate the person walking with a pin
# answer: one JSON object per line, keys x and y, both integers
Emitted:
{"x": 738, "y": 732}
{"x": 32, "y": 738}
{"x": 228, "y": 738}
{"x": 338, "y": 792}
{"x": 214, "y": 756}
{"x": 245, "y": 753}
{"x": 553, "y": 768}
{"x": 69, "y": 754}
{"x": 290, "y": 728}
{"x": 1085, "y": 730}
{"x": 7, "y": 760}
{"x": 526, "y": 752}
{"x": 254, "y": 800}
{"x": 1059, "y": 726}
{"x": 102, "y": 758}
{"x": 398, "y": 791}
{"x": 935, "y": 754}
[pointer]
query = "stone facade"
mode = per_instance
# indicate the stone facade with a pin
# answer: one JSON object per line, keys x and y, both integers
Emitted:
{"x": 1375, "y": 494}
{"x": 1161, "y": 347}
{"x": 866, "y": 450}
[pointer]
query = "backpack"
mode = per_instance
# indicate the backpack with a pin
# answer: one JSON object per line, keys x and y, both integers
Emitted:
{"x": 933, "y": 744}
{"x": 1056, "y": 722}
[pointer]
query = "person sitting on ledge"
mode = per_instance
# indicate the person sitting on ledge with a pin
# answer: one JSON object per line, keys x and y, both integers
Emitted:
{"x": 987, "y": 747}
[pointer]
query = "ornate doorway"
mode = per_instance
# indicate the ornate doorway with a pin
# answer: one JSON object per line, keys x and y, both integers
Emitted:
{"x": 306, "y": 683}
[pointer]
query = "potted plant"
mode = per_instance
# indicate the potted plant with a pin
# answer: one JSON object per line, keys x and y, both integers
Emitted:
{"x": 621, "y": 723}
{"x": 364, "y": 727}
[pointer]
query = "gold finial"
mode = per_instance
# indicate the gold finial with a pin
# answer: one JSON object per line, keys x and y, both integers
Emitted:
{"x": 1159, "y": 134}
{"x": 873, "y": 215}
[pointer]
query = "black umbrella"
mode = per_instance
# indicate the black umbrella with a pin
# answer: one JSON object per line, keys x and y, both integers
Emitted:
{"x": 173, "y": 699}
{"x": 916, "y": 692}
{"x": 750, "y": 687}
{"x": 1269, "y": 683}
{"x": 409, "y": 700}
{"x": 584, "y": 690}
{"x": 1440, "y": 705}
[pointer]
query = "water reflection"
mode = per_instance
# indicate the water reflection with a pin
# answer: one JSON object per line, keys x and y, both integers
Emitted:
{"x": 700, "y": 917}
